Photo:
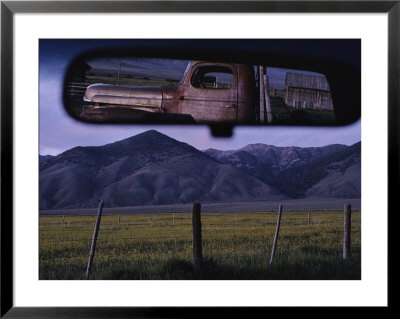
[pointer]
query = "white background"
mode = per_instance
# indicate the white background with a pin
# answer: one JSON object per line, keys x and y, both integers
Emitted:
{"x": 370, "y": 291}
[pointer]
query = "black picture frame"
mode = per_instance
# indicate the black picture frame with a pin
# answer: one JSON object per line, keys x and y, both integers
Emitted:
{"x": 9, "y": 8}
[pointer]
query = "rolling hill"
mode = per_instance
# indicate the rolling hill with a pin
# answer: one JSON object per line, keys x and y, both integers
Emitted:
{"x": 154, "y": 169}
{"x": 146, "y": 169}
{"x": 266, "y": 162}
{"x": 334, "y": 175}
{"x": 332, "y": 171}
{"x": 44, "y": 158}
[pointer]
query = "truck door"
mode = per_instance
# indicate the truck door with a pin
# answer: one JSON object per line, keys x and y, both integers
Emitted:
{"x": 209, "y": 93}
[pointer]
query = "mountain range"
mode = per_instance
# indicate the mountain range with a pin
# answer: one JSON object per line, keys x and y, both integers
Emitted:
{"x": 152, "y": 169}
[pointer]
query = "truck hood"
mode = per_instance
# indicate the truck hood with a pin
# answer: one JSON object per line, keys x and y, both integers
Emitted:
{"x": 132, "y": 96}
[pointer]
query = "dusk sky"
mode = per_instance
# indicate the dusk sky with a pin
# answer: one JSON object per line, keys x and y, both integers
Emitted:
{"x": 60, "y": 132}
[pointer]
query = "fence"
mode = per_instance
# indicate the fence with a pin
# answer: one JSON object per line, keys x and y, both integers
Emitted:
{"x": 74, "y": 93}
{"x": 76, "y": 89}
{"x": 227, "y": 236}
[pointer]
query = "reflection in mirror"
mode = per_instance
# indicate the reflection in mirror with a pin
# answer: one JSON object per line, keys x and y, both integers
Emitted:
{"x": 135, "y": 71}
{"x": 98, "y": 88}
{"x": 151, "y": 90}
{"x": 299, "y": 97}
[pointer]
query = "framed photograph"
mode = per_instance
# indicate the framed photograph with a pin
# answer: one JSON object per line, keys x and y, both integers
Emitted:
{"x": 165, "y": 157}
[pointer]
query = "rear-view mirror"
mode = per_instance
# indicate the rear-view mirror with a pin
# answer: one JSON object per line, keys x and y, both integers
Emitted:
{"x": 255, "y": 87}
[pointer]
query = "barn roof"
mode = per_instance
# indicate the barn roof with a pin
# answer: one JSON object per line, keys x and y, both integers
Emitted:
{"x": 305, "y": 81}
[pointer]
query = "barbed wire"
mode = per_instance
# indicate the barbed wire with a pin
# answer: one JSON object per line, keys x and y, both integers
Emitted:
{"x": 203, "y": 214}
{"x": 163, "y": 225}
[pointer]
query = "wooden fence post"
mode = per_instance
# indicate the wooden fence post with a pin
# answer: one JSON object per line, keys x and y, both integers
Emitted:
{"x": 262, "y": 100}
{"x": 278, "y": 223}
{"x": 196, "y": 224}
{"x": 236, "y": 219}
{"x": 309, "y": 218}
{"x": 63, "y": 219}
{"x": 94, "y": 239}
{"x": 173, "y": 218}
{"x": 119, "y": 219}
{"x": 267, "y": 99}
{"x": 347, "y": 232}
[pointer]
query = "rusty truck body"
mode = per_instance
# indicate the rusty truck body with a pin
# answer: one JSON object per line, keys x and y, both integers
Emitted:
{"x": 208, "y": 92}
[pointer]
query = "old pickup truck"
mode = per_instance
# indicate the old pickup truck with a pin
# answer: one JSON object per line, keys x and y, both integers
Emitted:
{"x": 208, "y": 92}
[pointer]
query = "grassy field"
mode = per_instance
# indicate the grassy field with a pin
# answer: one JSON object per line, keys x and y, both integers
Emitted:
{"x": 235, "y": 246}
{"x": 287, "y": 115}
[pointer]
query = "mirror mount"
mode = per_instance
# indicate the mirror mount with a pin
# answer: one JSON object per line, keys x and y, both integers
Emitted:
{"x": 221, "y": 130}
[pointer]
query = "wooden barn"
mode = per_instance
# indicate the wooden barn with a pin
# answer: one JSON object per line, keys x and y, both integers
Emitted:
{"x": 307, "y": 92}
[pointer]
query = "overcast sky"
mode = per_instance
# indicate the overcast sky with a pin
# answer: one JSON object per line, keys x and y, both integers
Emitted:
{"x": 59, "y": 132}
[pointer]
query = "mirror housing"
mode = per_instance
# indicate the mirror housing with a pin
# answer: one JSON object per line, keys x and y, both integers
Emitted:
{"x": 338, "y": 60}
